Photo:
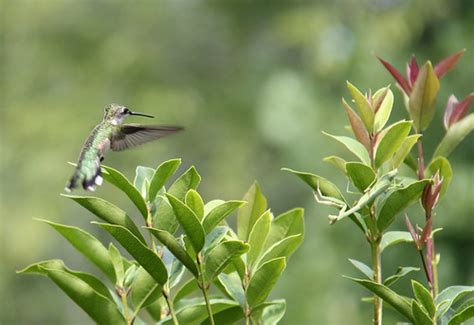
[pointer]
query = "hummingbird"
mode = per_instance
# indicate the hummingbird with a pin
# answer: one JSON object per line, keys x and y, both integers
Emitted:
{"x": 111, "y": 133}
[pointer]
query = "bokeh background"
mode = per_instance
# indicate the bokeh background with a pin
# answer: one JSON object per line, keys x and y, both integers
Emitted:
{"x": 254, "y": 83}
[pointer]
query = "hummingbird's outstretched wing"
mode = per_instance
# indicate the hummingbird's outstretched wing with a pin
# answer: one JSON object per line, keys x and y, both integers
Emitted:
{"x": 131, "y": 135}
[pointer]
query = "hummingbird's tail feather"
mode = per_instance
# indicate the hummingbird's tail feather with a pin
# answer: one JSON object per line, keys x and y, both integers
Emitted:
{"x": 86, "y": 174}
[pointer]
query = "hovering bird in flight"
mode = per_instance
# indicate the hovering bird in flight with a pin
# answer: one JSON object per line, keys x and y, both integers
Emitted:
{"x": 112, "y": 134}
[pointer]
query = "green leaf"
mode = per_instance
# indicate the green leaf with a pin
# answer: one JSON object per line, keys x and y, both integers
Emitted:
{"x": 145, "y": 290}
{"x": 87, "y": 245}
{"x": 389, "y": 296}
{"x": 422, "y": 100}
{"x": 174, "y": 246}
{"x": 219, "y": 213}
{"x": 363, "y": 107}
{"x": 117, "y": 262}
{"x": 233, "y": 286}
{"x": 98, "y": 307}
{"x": 283, "y": 248}
{"x": 189, "y": 180}
{"x": 419, "y": 315}
{"x": 442, "y": 165}
{"x": 394, "y": 237}
{"x": 107, "y": 212}
{"x": 451, "y": 294}
{"x": 142, "y": 254}
{"x": 462, "y": 316}
{"x": 214, "y": 237}
{"x": 195, "y": 311}
{"x": 397, "y": 201}
{"x": 338, "y": 162}
{"x": 455, "y": 134}
{"x": 361, "y": 175}
{"x": 194, "y": 201}
{"x": 401, "y": 272}
{"x": 228, "y": 316}
{"x": 390, "y": 140}
{"x": 186, "y": 289}
{"x": 130, "y": 274}
{"x": 423, "y": 296}
{"x": 263, "y": 280}
{"x": 314, "y": 181}
{"x": 221, "y": 255}
{"x": 383, "y": 113}
{"x": 143, "y": 176}
{"x": 366, "y": 270}
{"x": 161, "y": 175}
{"x": 164, "y": 218}
{"x": 354, "y": 146}
{"x": 190, "y": 223}
{"x": 117, "y": 179}
{"x": 249, "y": 213}
{"x": 287, "y": 224}
{"x": 175, "y": 267}
{"x": 404, "y": 150}
{"x": 257, "y": 237}
{"x": 42, "y": 267}
{"x": 274, "y": 312}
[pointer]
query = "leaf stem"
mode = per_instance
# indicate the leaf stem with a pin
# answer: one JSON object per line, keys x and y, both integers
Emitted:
{"x": 203, "y": 285}
{"x": 377, "y": 267}
{"x": 166, "y": 294}
{"x": 126, "y": 314}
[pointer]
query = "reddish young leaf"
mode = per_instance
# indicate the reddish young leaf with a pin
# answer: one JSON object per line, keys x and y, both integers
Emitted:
{"x": 397, "y": 75}
{"x": 412, "y": 70}
{"x": 448, "y": 111}
{"x": 412, "y": 231}
{"x": 460, "y": 109}
{"x": 448, "y": 63}
{"x": 357, "y": 125}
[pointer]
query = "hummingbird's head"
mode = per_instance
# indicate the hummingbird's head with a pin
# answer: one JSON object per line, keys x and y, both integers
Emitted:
{"x": 115, "y": 113}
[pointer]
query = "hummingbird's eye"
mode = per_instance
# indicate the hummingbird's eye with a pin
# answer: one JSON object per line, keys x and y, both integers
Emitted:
{"x": 126, "y": 111}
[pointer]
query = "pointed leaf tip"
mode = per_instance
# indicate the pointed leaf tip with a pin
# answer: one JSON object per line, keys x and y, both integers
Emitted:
{"x": 448, "y": 63}
{"x": 397, "y": 76}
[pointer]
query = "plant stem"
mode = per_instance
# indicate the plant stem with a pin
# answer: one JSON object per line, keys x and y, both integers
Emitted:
{"x": 149, "y": 223}
{"x": 425, "y": 267}
{"x": 126, "y": 314}
{"x": 421, "y": 160}
{"x": 377, "y": 268}
{"x": 166, "y": 294}
{"x": 434, "y": 268}
{"x": 245, "y": 284}
{"x": 203, "y": 286}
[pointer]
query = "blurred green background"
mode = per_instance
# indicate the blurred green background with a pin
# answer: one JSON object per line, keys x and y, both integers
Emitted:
{"x": 254, "y": 83}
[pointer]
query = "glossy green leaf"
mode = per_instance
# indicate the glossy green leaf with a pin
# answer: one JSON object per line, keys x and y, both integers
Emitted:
{"x": 228, "y": 316}
{"x": 97, "y": 306}
{"x": 390, "y": 140}
{"x": 287, "y": 224}
{"x": 145, "y": 290}
{"x": 186, "y": 289}
{"x": 214, "y": 237}
{"x": 274, "y": 312}
{"x": 161, "y": 175}
{"x": 130, "y": 275}
{"x": 455, "y": 134}
{"x": 363, "y": 107}
{"x": 219, "y": 213}
{"x": 462, "y": 316}
{"x": 87, "y": 245}
{"x": 361, "y": 175}
{"x": 383, "y": 112}
{"x": 194, "y": 201}
{"x": 394, "y": 237}
{"x": 43, "y": 267}
{"x": 142, "y": 254}
{"x": 423, "y": 97}
{"x": 233, "y": 286}
{"x": 401, "y": 272}
{"x": 175, "y": 267}
{"x": 221, "y": 255}
{"x": 257, "y": 237}
{"x": 397, "y": 201}
{"x": 263, "y": 280}
{"x": 404, "y": 150}
{"x": 451, "y": 294}
{"x": 315, "y": 181}
{"x": 442, "y": 165}
{"x": 195, "y": 311}
{"x": 119, "y": 180}
{"x": 189, "y": 180}
{"x": 366, "y": 270}
{"x": 338, "y": 162}
{"x": 175, "y": 247}
{"x": 354, "y": 146}
{"x": 164, "y": 218}
{"x": 283, "y": 248}
{"x": 143, "y": 176}
{"x": 117, "y": 262}
{"x": 420, "y": 316}
{"x": 249, "y": 213}
{"x": 190, "y": 223}
{"x": 423, "y": 296}
{"x": 389, "y": 296}
{"x": 107, "y": 212}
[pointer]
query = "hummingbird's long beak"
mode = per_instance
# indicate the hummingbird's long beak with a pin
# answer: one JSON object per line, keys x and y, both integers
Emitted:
{"x": 141, "y": 114}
